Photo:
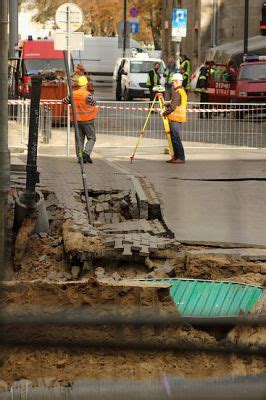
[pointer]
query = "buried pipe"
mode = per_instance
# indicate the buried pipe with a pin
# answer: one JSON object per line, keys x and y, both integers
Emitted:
{"x": 31, "y": 201}
{"x": 30, "y": 210}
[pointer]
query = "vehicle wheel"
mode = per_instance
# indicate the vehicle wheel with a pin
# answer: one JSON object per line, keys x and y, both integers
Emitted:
{"x": 127, "y": 97}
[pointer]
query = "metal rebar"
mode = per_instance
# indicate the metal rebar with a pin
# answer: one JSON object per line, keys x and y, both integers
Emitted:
{"x": 76, "y": 129}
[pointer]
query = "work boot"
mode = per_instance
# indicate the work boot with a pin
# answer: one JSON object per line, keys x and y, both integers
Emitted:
{"x": 175, "y": 161}
{"x": 86, "y": 158}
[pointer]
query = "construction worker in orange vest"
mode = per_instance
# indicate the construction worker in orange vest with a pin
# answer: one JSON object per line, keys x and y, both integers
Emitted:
{"x": 86, "y": 111}
{"x": 176, "y": 112}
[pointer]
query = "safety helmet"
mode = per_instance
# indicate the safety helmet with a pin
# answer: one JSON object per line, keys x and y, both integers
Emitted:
{"x": 178, "y": 77}
{"x": 82, "y": 81}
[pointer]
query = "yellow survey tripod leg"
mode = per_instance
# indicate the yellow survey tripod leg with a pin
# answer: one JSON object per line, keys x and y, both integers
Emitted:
{"x": 166, "y": 125}
{"x": 143, "y": 129}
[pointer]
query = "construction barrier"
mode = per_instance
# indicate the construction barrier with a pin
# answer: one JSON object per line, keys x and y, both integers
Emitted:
{"x": 218, "y": 123}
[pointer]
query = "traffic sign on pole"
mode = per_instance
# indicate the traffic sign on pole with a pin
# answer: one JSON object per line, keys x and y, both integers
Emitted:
{"x": 76, "y": 41}
{"x": 134, "y": 23}
{"x": 179, "y": 22}
{"x": 75, "y": 15}
{"x": 120, "y": 28}
{"x": 134, "y": 12}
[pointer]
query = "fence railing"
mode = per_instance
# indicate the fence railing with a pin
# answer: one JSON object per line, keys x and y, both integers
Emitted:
{"x": 223, "y": 124}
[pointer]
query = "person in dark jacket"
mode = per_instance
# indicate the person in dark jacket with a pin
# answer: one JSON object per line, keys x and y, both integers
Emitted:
{"x": 153, "y": 79}
{"x": 202, "y": 88}
{"x": 120, "y": 72}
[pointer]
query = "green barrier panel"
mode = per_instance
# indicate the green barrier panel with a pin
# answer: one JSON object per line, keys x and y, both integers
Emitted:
{"x": 199, "y": 298}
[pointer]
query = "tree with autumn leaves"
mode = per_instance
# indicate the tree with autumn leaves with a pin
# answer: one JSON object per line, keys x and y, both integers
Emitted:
{"x": 102, "y": 16}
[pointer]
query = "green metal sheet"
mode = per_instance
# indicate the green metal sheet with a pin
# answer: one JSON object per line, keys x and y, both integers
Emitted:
{"x": 199, "y": 298}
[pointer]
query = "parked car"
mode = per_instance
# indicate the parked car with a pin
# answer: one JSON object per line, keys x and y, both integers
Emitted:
{"x": 134, "y": 76}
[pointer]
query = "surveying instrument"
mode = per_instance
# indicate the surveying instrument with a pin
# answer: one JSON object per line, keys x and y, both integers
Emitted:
{"x": 159, "y": 96}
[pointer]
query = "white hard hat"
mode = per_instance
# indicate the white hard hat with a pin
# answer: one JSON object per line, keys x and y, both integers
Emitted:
{"x": 178, "y": 77}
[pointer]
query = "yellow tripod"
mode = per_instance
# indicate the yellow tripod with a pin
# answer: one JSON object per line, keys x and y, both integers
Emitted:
{"x": 160, "y": 98}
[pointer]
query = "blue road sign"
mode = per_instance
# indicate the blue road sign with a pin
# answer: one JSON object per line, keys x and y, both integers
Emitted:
{"x": 134, "y": 22}
{"x": 179, "y": 22}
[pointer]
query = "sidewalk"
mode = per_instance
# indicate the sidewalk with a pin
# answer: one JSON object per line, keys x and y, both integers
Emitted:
{"x": 218, "y": 195}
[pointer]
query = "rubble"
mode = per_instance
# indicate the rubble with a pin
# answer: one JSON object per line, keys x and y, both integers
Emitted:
{"x": 97, "y": 266}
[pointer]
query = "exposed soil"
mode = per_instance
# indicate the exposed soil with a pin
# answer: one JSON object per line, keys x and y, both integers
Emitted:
{"x": 46, "y": 282}
{"x": 66, "y": 365}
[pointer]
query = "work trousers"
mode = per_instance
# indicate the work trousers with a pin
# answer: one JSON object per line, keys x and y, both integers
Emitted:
{"x": 86, "y": 130}
{"x": 152, "y": 93}
{"x": 168, "y": 88}
{"x": 175, "y": 128}
{"x": 204, "y": 98}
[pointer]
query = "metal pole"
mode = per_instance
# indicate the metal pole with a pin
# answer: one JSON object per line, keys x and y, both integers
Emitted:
{"x": 84, "y": 180}
{"x": 214, "y": 24}
{"x": 4, "y": 153}
{"x": 31, "y": 168}
{"x": 68, "y": 36}
{"x": 246, "y": 29}
{"x": 125, "y": 28}
{"x": 13, "y": 27}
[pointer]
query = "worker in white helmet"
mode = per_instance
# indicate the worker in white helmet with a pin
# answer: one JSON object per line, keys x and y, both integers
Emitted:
{"x": 176, "y": 112}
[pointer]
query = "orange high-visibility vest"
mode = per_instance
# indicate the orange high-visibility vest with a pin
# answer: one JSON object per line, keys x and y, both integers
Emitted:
{"x": 85, "y": 112}
{"x": 180, "y": 113}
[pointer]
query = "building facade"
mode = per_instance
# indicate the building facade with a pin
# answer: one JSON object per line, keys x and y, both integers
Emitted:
{"x": 215, "y": 22}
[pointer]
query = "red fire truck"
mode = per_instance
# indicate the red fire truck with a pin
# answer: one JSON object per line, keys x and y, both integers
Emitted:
{"x": 40, "y": 57}
{"x": 247, "y": 84}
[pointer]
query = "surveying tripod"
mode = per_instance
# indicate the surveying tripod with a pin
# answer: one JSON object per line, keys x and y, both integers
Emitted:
{"x": 160, "y": 98}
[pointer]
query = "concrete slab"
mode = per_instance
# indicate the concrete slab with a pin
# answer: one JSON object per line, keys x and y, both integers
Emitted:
{"x": 250, "y": 254}
{"x": 16, "y": 164}
{"x": 199, "y": 200}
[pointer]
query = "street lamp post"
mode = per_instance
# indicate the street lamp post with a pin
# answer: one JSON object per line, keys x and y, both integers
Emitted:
{"x": 125, "y": 28}
{"x": 4, "y": 153}
{"x": 246, "y": 29}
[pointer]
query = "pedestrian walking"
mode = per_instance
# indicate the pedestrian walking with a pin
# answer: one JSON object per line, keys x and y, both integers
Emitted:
{"x": 176, "y": 112}
{"x": 153, "y": 79}
{"x": 86, "y": 111}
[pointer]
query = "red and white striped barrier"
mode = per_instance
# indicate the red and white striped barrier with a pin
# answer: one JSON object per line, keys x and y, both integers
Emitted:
{"x": 211, "y": 108}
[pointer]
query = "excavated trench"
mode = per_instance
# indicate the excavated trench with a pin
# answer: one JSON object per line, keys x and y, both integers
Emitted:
{"x": 89, "y": 271}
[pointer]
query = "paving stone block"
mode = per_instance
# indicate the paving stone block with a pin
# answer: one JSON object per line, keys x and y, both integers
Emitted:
{"x": 109, "y": 242}
{"x": 99, "y": 208}
{"x": 127, "y": 250}
{"x": 144, "y": 251}
{"x": 136, "y": 246}
{"x": 118, "y": 244}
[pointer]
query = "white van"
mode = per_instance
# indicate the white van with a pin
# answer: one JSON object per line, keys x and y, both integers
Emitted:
{"x": 100, "y": 54}
{"x": 134, "y": 76}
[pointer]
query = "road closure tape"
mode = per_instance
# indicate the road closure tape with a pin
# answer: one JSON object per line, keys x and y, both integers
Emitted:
{"x": 210, "y": 108}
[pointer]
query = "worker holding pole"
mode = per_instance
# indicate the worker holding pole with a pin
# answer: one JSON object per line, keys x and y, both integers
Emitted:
{"x": 176, "y": 112}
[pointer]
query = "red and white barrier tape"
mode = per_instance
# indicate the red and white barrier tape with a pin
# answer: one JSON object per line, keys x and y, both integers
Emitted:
{"x": 190, "y": 110}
